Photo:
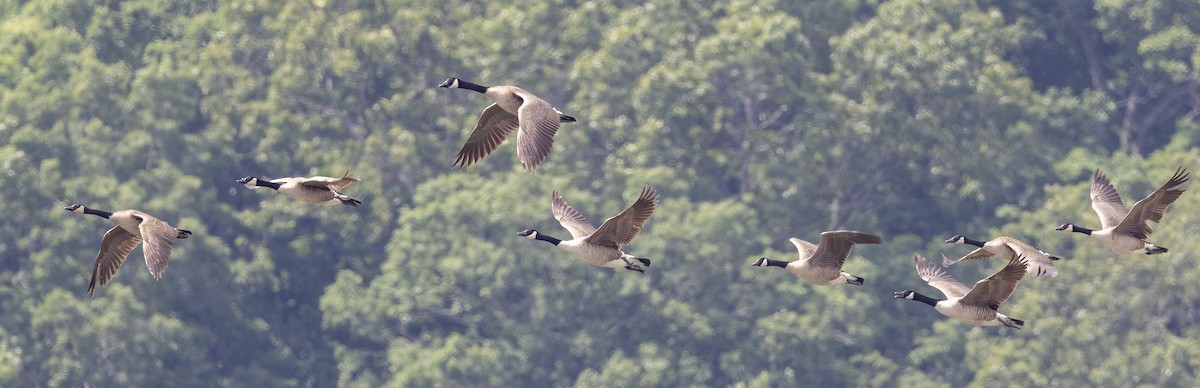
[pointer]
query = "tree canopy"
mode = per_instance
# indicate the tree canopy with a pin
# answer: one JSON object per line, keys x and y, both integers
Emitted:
{"x": 756, "y": 121}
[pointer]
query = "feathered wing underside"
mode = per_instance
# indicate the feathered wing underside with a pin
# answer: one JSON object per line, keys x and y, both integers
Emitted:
{"x": 805, "y": 248}
{"x": 1106, "y": 201}
{"x": 994, "y": 290}
{"x": 1037, "y": 261}
{"x": 570, "y": 218}
{"x": 938, "y": 278}
{"x": 324, "y": 182}
{"x": 158, "y": 238}
{"x": 978, "y": 253}
{"x": 495, "y": 124}
{"x": 622, "y": 228}
{"x": 1152, "y": 207}
{"x": 115, "y": 247}
{"x": 835, "y": 245}
{"x": 538, "y": 122}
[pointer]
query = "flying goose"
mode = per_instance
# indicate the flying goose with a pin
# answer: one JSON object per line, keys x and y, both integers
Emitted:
{"x": 822, "y": 264}
{"x": 320, "y": 190}
{"x": 978, "y": 305}
{"x": 1039, "y": 262}
{"x": 1126, "y": 232}
{"x": 601, "y": 247}
{"x": 535, "y": 120}
{"x": 133, "y": 227}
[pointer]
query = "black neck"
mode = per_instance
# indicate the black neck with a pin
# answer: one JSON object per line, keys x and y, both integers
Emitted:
{"x": 546, "y": 238}
{"x": 94, "y": 212}
{"x": 1077, "y": 229}
{"x": 263, "y": 183}
{"x": 968, "y": 240}
{"x": 924, "y": 299}
{"x": 471, "y": 86}
{"x": 776, "y": 263}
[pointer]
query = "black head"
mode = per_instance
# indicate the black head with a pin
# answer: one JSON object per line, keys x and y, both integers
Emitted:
{"x": 761, "y": 262}
{"x": 528, "y": 233}
{"x": 75, "y": 208}
{"x": 1065, "y": 227}
{"x": 250, "y": 182}
{"x": 906, "y": 294}
{"x": 957, "y": 239}
{"x": 451, "y": 83}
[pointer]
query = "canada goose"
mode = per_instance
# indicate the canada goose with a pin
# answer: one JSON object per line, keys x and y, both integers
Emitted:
{"x": 320, "y": 190}
{"x": 1126, "y": 232}
{"x": 601, "y": 247}
{"x": 822, "y": 264}
{"x": 133, "y": 227}
{"x": 978, "y": 305}
{"x": 1039, "y": 262}
{"x": 535, "y": 120}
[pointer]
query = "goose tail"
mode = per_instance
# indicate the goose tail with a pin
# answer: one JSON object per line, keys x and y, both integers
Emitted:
{"x": 1012, "y": 322}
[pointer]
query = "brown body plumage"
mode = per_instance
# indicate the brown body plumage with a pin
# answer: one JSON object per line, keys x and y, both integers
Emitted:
{"x": 133, "y": 227}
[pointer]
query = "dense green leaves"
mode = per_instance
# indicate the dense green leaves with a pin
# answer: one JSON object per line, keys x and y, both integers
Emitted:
{"x": 756, "y": 120}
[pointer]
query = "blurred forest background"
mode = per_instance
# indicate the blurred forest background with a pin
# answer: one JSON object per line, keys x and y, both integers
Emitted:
{"x": 757, "y": 120}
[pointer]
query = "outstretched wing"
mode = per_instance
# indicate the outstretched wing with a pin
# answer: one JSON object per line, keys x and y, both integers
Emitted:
{"x": 978, "y": 253}
{"x": 993, "y": 291}
{"x": 622, "y": 228}
{"x": 538, "y": 124}
{"x": 495, "y": 124}
{"x": 324, "y": 182}
{"x": 938, "y": 278}
{"x": 1105, "y": 201}
{"x": 1152, "y": 207}
{"x": 159, "y": 237}
{"x": 805, "y": 248}
{"x": 114, "y": 249}
{"x": 570, "y": 218}
{"x": 835, "y": 247}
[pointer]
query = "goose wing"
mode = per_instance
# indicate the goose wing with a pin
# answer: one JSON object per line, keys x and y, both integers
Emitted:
{"x": 622, "y": 228}
{"x": 159, "y": 237}
{"x": 938, "y": 278}
{"x": 994, "y": 290}
{"x": 115, "y": 247}
{"x": 835, "y": 247}
{"x": 1152, "y": 207}
{"x": 538, "y": 124}
{"x": 570, "y": 218}
{"x": 495, "y": 124}
{"x": 805, "y": 248}
{"x": 324, "y": 182}
{"x": 1038, "y": 262}
{"x": 978, "y": 253}
{"x": 1106, "y": 201}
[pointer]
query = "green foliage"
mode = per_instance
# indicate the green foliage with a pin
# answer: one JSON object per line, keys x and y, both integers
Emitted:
{"x": 756, "y": 120}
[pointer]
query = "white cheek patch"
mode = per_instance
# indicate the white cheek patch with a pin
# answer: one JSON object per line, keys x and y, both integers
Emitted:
{"x": 252, "y": 184}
